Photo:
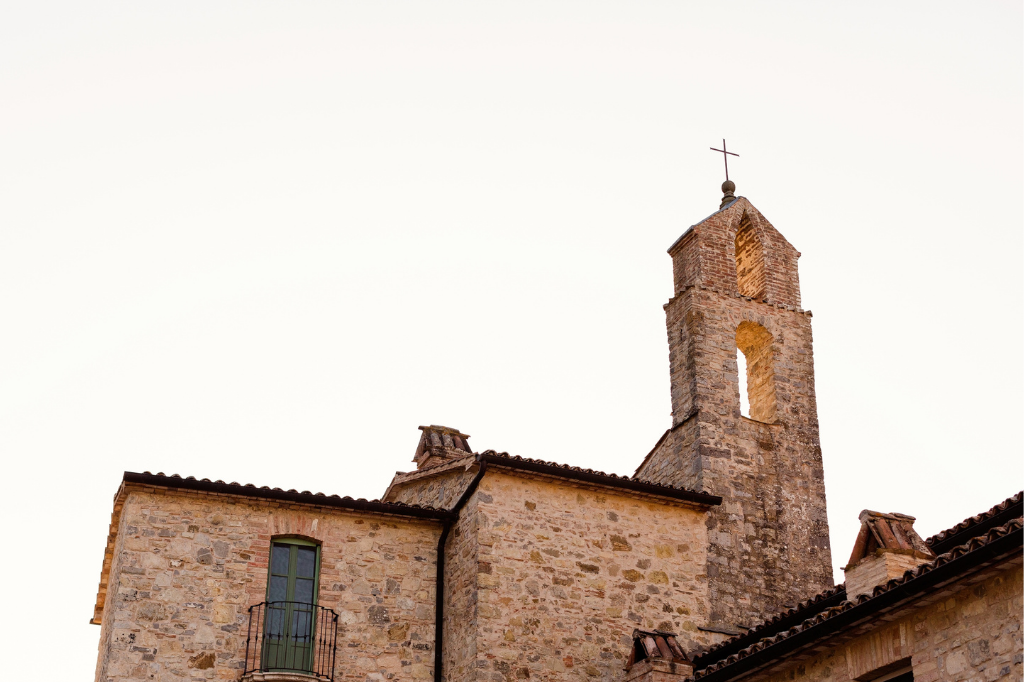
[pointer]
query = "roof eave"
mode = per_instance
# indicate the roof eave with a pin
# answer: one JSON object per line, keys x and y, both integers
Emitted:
{"x": 313, "y": 499}
{"x": 690, "y": 496}
{"x": 1014, "y": 508}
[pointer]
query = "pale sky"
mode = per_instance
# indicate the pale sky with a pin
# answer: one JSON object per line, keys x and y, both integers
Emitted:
{"x": 264, "y": 242}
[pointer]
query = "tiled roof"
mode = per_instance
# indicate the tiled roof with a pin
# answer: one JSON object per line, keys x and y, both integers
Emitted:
{"x": 291, "y": 495}
{"x": 781, "y": 621}
{"x": 865, "y": 603}
{"x": 961, "y": 532}
{"x": 598, "y": 477}
{"x": 1005, "y": 511}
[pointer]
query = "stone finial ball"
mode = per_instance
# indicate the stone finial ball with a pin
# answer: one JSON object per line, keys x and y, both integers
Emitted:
{"x": 728, "y": 186}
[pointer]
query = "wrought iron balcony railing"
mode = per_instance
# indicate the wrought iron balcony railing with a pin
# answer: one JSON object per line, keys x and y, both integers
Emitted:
{"x": 291, "y": 636}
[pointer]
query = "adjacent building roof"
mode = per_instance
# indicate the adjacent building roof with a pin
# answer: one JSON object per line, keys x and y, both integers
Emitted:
{"x": 1010, "y": 508}
{"x": 821, "y": 617}
{"x": 573, "y": 473}
{"x": 778, "y": 623}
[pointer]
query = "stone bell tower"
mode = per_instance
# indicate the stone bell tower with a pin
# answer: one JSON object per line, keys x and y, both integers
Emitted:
{"x": 737, "y": 291}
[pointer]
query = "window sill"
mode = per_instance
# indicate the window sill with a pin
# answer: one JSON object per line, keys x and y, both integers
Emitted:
{"x": 759, "y": 423}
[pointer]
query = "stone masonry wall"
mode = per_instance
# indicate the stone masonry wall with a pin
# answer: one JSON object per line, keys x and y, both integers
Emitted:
{"x": 565, "y": 573}
{"x": 706, "y": 255}
{"x": 878, "y": 569}
{"x": 769, "y": 543}
{"x": 973, "y": 634}
{"x": 441, "y": 490}
{"x": 461, "y": 603}
{"x": 686, "y": 261}
{"x": 750, "y": 275}
{"x": 670, "y": 461}
{"x": 189, "y": 565}
{"x": 110, "y": 609}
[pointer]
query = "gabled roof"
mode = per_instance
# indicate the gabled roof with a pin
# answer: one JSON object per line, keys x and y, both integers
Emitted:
{"x": 740, "y": 203}
{"x": 977, "y": 553}
{"x": 402, "y": 478}
{"x": 574, "y": 473}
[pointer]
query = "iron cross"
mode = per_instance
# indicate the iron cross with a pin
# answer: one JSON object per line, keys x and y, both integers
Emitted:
{"x": 725, "y": 155}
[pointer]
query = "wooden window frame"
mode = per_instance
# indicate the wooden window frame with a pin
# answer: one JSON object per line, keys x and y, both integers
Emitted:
{"x": 298, "y": 542}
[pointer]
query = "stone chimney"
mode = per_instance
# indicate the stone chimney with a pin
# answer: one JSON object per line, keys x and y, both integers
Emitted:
{"x": 440, "y": 444}
{"x": 657, "y": 657}
{"x": 886, "y": 547}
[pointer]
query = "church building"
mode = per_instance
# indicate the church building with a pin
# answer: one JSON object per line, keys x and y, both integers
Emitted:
{"x": 710, "y": 563}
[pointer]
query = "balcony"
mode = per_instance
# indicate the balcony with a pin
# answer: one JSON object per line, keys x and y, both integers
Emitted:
{"x": 290, "y": 641}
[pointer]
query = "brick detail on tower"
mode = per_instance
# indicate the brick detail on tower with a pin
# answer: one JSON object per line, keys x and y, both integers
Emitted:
{"x": 737, "y": 288}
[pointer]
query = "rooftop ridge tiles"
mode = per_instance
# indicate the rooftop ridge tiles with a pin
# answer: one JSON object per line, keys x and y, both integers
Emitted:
{"x": 347, "y": 498}
{"x": 976, "y": 543}
{"x": 811, "y": 604}
{"x": 975, "y": 520}
{"x": 593, "y": 472}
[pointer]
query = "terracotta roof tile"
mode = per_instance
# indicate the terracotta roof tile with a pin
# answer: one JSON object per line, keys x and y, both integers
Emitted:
{"x": 781, "y": 621}
{"x": 581, "y": 473}
{"x": 976, "y": 543}
{"x": 942, "y": 541}
{"x": 248, "y": 490}
{"x": 837, "y": 594}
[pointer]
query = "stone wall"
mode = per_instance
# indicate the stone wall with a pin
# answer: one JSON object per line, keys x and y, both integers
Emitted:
{"x": 769, "y": 545}
{"x": 564, "y": 574}
{"x": 112, "y": 597}
{"x": 670, "y": 461}
{"x": 706, "y": 255}
{"x": 750, "y": 275}
{"x": 461, "y": 605}
{"x": 972, "y": 634}
{"x": 685, "y": 260}
{"x": 878, "y": 569}
{"x": 189, "y": 565}
{"x": 440, "y": 487}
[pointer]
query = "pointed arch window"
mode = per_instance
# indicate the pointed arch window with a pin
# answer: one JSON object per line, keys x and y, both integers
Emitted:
{"x": 750, "y": 273}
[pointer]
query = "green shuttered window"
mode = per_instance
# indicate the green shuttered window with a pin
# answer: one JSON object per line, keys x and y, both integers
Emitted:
{"x": 292, "y": 587}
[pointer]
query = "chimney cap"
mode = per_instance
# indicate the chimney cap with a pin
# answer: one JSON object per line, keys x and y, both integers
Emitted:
{"x": 656, "y": 644}
{"x": 892, "y": 532}
{"x": 439, "y": 444}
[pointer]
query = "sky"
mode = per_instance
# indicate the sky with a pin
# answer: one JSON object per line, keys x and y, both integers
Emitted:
{"x": 264, "y": 242}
